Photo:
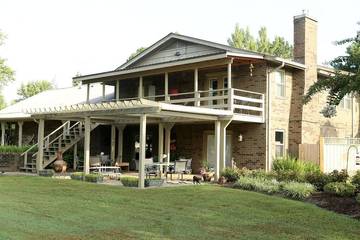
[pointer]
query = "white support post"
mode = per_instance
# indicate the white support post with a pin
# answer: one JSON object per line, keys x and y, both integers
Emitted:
{"x": 3, "y": 133}
{"x": 40, "y": 154}
{"x": 196, "y": 88}
{"x": 161, "y": 142}
{"x": 168, "y": 128}
{"x": 142, "y": 150}
{"x": 223, "y": 127}
{"x": 230, "y": 91}
{"x": 229, "y": 75}
{"x": 20, "y": 133}
{"x": 166, "y": 89}
{"x": 88, "y": 93}
{"x": 141, "y": 91}
{"x": 117, "y": 90}
{"x": 217, "y": 149}
{"x": 87, "y": 145}
{"x": 75, "y": 156}
{"x": 120, "y": 142}
{"x": 112, "y": 144}
{"x": 103, "y": 91}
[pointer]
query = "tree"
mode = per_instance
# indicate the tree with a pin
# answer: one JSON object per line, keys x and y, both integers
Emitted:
{"x": 6, "y": 73}
{"x": 242, "y": 38}
{"x": 33, "y": 88}
{"x": 134, "y": 54}
{"x": 345, "y": 80}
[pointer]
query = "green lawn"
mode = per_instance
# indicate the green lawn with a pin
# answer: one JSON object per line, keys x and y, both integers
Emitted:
{"x": 43, "y": 208}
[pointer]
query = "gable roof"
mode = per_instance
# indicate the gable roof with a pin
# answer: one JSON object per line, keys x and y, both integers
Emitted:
{"x": 54, "y": 98}
{"x": 223, "y": 51}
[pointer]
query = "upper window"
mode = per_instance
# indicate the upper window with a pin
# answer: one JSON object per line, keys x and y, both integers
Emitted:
{"x": 346, "y": 102}
{"x": 280, "y": 83}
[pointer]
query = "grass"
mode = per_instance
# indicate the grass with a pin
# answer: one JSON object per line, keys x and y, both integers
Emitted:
{"x": 43, "y": 208}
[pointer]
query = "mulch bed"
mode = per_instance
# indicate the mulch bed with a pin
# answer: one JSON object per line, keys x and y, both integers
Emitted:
{"x": 343, "y": 205}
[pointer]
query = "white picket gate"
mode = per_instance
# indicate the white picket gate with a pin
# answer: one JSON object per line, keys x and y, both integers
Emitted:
{"x": 333, "y": 154}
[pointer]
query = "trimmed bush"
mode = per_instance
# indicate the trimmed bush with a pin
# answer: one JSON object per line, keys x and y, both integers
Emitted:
{"x": 297, "y": 190}
{"x": 318, "y": 179}
{"x": 340, "y": 189}
{"x": 336, "y": 176}
{"x": 230, "y": 174}
{"x": 93, "y": 177}
{"x": 154, "y": 182}
{"x": 355, "y": 180}
{"x": 129, "y": 181}
{"x": 46, "y": 173}
{"x": 77, "y": 176}
{"x": 15, "y": 149}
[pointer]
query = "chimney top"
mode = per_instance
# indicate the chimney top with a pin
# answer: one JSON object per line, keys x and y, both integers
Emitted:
{"x": 305, "y": 14}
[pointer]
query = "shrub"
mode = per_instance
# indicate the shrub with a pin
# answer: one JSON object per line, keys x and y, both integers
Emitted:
{"x": 358, "y": 198}
{"x": 77, "y": 176}
{"x": 258, "y": 184}
{"x": 297, "y": 190}
{"x": 289, "y": 163}
{"x": 289, "y": 176}
{"x": 15, "y": 149}
{"x": 340, "y": 188}
{"x": 336, "y": 176}
{"x": 46, "y": 173}
{"x": 355, "y": 180}
{"x": 318, "y": 179}
{"x": 230, "y": 174}
{"x": 129, "y": 181}
{"x": 151, "y": 182}
{"x": 94, "y": 177}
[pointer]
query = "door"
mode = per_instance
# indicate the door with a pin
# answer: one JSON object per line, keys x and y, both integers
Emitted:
{"x": 211, "y": 151}
{"x": 213, "y": 86}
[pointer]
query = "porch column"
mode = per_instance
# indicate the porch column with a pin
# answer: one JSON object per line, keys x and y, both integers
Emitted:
{"x": 223, "y": 127}
{"x": 87, "y": 145}
{"x": 141, "y": 91}
{"x": 75, "y": 156}
{"x": 168, "y": 128}
{"x": 3, "y": 133}
{"x": 229, "y": 74}
{"x": 196, "y": 88}
{"x": 112, "y": 144}
{"x": 166, "y": 89}
{"x": 161, "y": 142}
{"x": 142, "y": 150}
{"x": 103, "y": 91}
{"x": 40, "y": 154}
{"x": 120, "y": 142}
{"x": 117, "y": 90}
{"x": 20, "y": 133}
{"x": 217, "y": 149}
{"x": 88, "y": 93}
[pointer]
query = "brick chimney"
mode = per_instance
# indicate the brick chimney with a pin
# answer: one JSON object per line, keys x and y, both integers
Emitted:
{"x": 304, "y": 119}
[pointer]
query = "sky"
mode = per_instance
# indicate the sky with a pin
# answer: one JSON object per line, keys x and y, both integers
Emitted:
{"x": 54, "y": 40}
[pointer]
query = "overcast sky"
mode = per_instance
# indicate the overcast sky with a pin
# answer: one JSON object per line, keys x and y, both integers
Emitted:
{"x": 53, "y": 40}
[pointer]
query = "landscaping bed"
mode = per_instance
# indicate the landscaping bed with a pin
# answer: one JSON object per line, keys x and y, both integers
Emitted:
{"x": 343, "y": 205}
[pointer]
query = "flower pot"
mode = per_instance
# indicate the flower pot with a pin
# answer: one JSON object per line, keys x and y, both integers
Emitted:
{"x": 60, "y": 166}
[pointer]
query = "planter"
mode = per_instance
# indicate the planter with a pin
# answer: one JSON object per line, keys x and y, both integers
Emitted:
{"x": 60, "y": 165}
{"x": 206, "y": 177}
{"x": 95, "y": 178}
{"x": 154, "y": 182}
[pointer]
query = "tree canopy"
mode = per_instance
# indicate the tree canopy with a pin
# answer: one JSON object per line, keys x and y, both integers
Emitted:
{"x": 33, "y": 88}
{"x": 138, "y": 51}
{"x": 6, "y": 73}
{"x": 346, "y": 79}
{"x": 242, "y": 38}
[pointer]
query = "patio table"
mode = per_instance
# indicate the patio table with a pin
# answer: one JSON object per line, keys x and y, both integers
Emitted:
{"x": 162, "y": 165}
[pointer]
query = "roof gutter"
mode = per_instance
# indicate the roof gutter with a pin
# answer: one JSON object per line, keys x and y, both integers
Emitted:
{"x": 268, "y": 115}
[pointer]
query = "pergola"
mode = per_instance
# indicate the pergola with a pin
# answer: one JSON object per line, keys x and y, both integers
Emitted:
{"x": 139, "y": 111}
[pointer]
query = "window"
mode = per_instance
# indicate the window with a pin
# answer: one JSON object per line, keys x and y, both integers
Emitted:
{"x": 279, "y": 143}
{"x": 346, "y": 102}
{"x": 280, "y": 83}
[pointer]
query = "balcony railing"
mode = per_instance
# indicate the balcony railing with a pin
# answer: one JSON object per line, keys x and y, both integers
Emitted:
{"x": 239, "y": 101}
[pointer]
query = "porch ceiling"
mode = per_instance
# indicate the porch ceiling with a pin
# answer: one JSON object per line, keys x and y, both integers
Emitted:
{"x": 128, "y": 111}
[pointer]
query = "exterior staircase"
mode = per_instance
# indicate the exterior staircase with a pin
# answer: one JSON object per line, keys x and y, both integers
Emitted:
{"x": 62, "y": 138}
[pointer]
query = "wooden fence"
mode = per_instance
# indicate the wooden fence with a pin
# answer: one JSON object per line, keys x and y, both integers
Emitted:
{"x": 309, "y": 153}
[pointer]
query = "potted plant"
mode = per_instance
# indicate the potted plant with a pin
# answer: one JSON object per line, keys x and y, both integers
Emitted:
{"x": 206, "y": 172}
{"x": 60, "y": 165}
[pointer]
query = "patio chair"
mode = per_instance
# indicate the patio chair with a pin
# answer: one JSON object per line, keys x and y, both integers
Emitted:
{"x": 152, "y": 170}
{"x": 179, "y": 168}
{"x": 188, "y": 165}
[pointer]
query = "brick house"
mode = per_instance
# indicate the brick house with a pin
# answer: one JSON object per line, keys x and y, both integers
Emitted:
{"x": 210, "y": 102}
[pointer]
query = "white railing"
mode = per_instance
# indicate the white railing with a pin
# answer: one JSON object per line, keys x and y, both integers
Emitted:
{"x": 238, "y": 101}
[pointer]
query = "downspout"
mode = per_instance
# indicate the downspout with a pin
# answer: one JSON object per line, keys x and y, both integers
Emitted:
{"x": 268, "y": 115}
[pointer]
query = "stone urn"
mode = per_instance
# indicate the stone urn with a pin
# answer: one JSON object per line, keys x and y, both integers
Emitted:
{"x": 60, "y": 165}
